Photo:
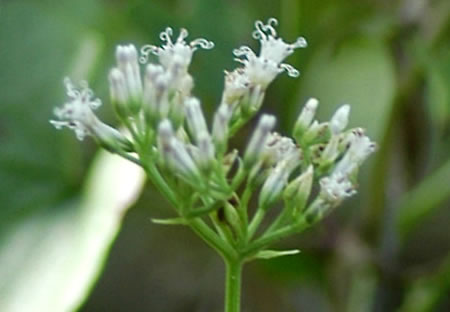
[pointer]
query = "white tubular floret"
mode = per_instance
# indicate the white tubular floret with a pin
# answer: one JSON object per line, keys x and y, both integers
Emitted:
{"x": 194, "y": 117}
{"x": 306, "y": 117}
{"x": 274, "y": 185}
{"x": 127, "y": 60}
{"x": 151, "y": 107}
{"x": 220, "y": 129}
{"x": 174, "y": 153}
{"x": 118, "y": 91}
{"x": 339, "y": 120}
{"x": 206, "y": 151}
{"x": 258, "y": 139}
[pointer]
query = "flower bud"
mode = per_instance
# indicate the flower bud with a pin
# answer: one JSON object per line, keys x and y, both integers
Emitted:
{"x": 162, "y": 95}
{"x": 297, "y": 192}
{"x": 194, "y": 117}
{"x": 330, "y": 153}
{"x": 175, "y": 155}
{"x": 127, "y": 60}
{"x": 339, "y": 120}
{"x": 317, "y": 132}
{"x": 206, "y": 151}
{"x": 119, "y": 92}
{"x": 232, "y": 217}
{"x": 274, "y": 185}
{"x": 151, "y": 111}
{"x": 220, "y": 129}
{"x": 305, "y": 118}
{"x": 258, "y": 139}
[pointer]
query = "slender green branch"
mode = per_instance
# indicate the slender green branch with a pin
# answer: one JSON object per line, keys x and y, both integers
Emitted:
{"x": 270, "y": 238}
{"x": 222, "y": 229}
{"x": 239, "y": 124}
{"x": 161, "y": 184}
{"x": 239, "y": 177}
{"x": 243, "y": 211}
{"x": 211, "y": 238}
{"x": 256, "y": 221}
{"x": 281, "y": 218}
{"x": 201, "y": 228}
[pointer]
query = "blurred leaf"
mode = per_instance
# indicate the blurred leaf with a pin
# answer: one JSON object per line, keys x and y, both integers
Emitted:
{"x": 425, "y": 292}
{"x": 49, "y": 261}
{"x": 38, "y": 165}
{"x": 423, "y": 200}
{"x": 438, "y": 78}
{"x": 362, "y": 290}
{"x": 52, "y": 243}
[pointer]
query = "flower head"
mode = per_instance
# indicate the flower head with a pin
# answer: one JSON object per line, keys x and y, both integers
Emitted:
{"x": 77, "y": 113}
{"x": 279, "y": 148}
{"x": 262, "y": 70}
{"x": 236, "y": 85}
{"x": 360, "y": 148}
{"x": 335, "y": 188}
{"x": 175, "y": 50}
{"x": 339, "y": 120}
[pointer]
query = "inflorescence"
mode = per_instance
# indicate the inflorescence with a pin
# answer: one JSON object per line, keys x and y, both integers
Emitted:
{"x": 190, "y": 162}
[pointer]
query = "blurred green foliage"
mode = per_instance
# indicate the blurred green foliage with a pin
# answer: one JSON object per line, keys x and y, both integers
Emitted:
{"x": 385, "y": 250}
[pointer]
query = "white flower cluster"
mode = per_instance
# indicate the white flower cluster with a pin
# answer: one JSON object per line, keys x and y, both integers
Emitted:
{"x": 335, "y": 151}
{"x": 168, "y": 128}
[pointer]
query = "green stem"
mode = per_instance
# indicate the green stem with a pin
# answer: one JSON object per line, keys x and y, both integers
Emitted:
{"x": 233, "y": 285}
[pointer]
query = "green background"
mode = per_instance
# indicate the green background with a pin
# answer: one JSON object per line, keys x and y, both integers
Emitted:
{"x": 386, "y": 249}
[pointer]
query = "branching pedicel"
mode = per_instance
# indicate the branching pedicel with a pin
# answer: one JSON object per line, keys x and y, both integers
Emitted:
{"x": 209, "y": 186}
